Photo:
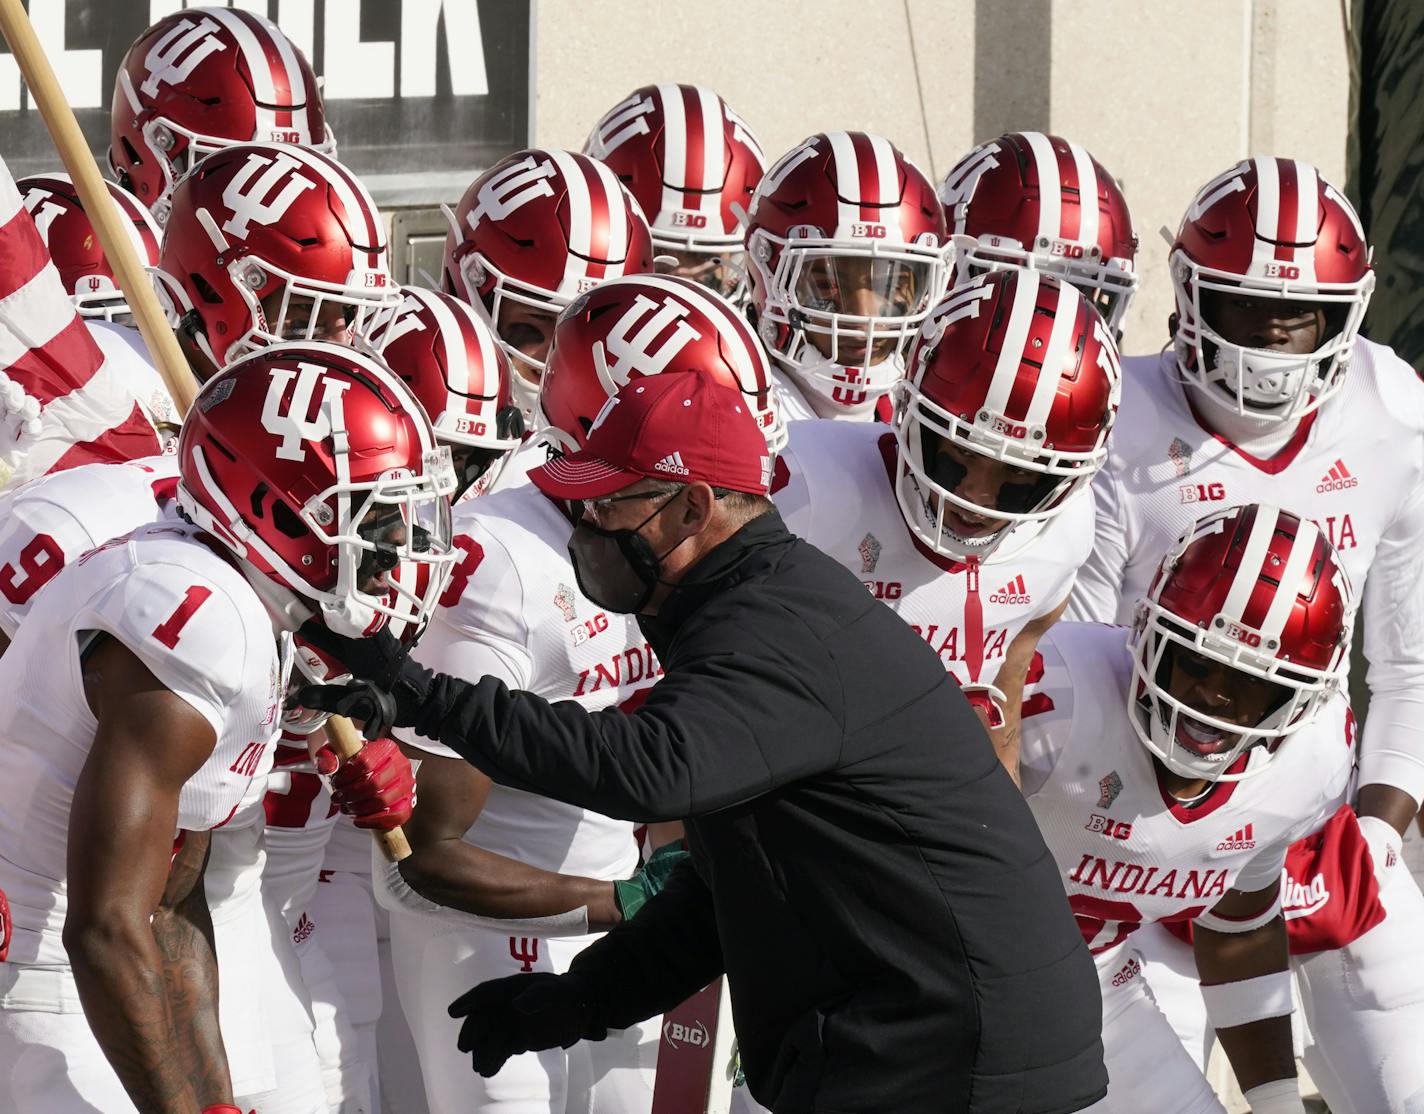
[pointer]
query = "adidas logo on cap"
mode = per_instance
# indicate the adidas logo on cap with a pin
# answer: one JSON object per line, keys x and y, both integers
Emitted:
{"x": 1243, "y": 840}
{"x": 1337, "y": 479}
{"x": 671, "y": 463}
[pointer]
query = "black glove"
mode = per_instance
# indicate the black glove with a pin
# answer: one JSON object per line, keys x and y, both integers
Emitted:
{"x": 390, "y": 688}
{"x": 523, "y": 1013}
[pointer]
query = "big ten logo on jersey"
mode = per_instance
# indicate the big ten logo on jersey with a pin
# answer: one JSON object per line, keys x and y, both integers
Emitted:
{"x": 289, "y": 417}
{"x": 263, "y": 191}
{"x": 644, "y": 340}
{"x": 1113, "y": 829}
{"x": 675, "y": 1032}
{"x": 951, "y": 645}
{"x": 1340, "y": 530}
{"x": 885, "y": 589}
{"x": 513, "y": 188}
{"x": 173, "y": 58}
{"x": 589, "y": 628}
{"x": 1202, "y": 493}
{"x": 634, "y": 665}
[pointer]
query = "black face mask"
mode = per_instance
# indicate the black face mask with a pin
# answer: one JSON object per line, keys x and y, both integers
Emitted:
{"x": 616, "y": 569}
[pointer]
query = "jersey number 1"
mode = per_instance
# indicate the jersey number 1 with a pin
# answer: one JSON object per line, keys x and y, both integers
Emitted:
{"x": 168, "y": 631}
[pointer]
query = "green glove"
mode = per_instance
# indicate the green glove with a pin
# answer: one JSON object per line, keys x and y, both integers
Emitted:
{"x": 633, "y": 893}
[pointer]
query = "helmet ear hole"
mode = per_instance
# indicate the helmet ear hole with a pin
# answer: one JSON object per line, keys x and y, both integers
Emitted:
{"x": 509, "y": 422}
{"x": 287, "y": 520}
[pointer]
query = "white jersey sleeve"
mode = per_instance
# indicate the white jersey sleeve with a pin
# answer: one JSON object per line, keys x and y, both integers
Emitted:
{"x": 1097, "y": 593}
{"x": 1047, "y": 714}
{"x": 54, "y": 519}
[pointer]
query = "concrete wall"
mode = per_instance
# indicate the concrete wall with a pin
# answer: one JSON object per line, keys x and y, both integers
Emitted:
{"x": 1166, "y": 93}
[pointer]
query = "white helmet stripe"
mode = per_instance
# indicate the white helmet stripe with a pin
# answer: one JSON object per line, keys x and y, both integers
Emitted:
{"x": 674, "y": 147}
{"x": 1006, "y": 370}
{"x": 886, "y": 175}
{"x": 1087, "y": 195}
{"x": 361, "y": 211}
{"x": 1050, "y": 214}
{"x": 714, "y": 151}
{"x": 1243, "y": 584}
{"x": 295, "y": 81}
{"x": 580, "y": 222}
{"x": 1307, "y": 218}
{"x": 617, "y": 207}
{"x": 457, "y": 364}
{"x": 1290, "y": 578}
{"x": 1055, "y": 358}
{"x": 258, "y": 64}
{"x": 1268, "y": 199}
{"x": 847, "y": 181}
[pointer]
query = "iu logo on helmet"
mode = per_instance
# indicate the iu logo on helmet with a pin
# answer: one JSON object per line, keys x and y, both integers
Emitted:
{"x": 627, "y": 353}
{"x": 513, "y": 189}
{"x": 289, "y": 421}
{"x": 624, "y": 122}
{"x": 43, "y": 210}
{"x": 406, "y": 320}
{"x": 262, "y": 192}
{"x": 178, "y": 53}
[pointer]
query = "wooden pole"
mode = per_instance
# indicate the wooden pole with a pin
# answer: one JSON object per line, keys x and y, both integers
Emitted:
{"x": 133, "y": 279}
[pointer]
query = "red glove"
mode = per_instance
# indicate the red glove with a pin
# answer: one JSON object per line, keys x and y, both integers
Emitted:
{"x": 375, "y": 786}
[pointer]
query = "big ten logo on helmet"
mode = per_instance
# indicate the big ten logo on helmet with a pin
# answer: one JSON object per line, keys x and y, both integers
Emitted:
{"x": 1113, "y": 829}
{"x": 513, "y": 188}
{"x": 1063, "y": 249}
{"x": 625, "y": 351}
{"x": 1202, "y": 493}
{"x": 865, "y": 230}
{"x": 637, "y": 663}
{"x": 683, "y": 219}
{"x": 178, "y": 53}
{"x": 1282, "y": 270}
{"x": 262, "y": 191}
{"x": 289, "y": 420}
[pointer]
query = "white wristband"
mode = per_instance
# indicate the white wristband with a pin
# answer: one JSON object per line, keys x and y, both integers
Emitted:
{"x": 1237, "y": 1003}
{"x": 1217, "y": 923}
{"x": 1280, "y": 1096}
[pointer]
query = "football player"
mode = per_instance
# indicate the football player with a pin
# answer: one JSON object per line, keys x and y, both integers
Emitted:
{"x": 530, "y": 235}
{"x": 1267, "y": 390}
{"x": 970, "y": 515}
{"x": 846, "y": 248}
{"x": 514, "y": 609}
{"x": 1039, "y": 202}
{"x": 1170, "y": 769}
{"x": 692, "y": 163}
{"x": 203, "y": 79}
{"x": 176, "y": 633}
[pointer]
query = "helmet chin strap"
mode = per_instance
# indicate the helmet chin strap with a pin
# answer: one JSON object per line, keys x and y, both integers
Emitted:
{"x": 286, "y": 608}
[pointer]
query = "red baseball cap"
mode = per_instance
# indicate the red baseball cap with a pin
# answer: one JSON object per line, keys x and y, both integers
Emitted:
{"x": 680, "y": 426}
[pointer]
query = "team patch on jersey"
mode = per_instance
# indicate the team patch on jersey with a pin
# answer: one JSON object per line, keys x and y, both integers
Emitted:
{"x": 564, "y": 601}
{"x": 1242, "y": 840}
{"x": 1180, "y": 454}
{"x": 1014, "y": 592}
{"x": 1109, "y": 787}
{"x": 869, "y": 550}
{"x": 1337, "y": 479}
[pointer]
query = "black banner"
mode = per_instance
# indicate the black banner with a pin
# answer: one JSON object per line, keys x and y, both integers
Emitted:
{"x": 428, "y": 91}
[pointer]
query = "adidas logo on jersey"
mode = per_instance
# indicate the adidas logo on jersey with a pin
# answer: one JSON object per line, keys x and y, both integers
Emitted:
{"x": 671, "y": 463}
{"x": 1014, "y": 592}
{"x": 305, "y": 927}
{"x": 1337, "y": 479}
{"x": 1243, "y": 840}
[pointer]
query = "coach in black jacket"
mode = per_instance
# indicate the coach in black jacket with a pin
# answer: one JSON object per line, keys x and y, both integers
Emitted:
{"x": 892, "y": 926}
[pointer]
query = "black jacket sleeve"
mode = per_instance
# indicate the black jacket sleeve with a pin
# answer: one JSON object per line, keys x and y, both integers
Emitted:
{"x": 720, "y": 728}
{"x": 664, "y": 955}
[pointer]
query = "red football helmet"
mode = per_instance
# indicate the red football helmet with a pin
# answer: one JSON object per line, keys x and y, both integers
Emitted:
{"x": 1269, "y": 229}
{"x": 536, "y": 230}
{"x": 1018, "y": 201}
{"x": 1015, "y": 366}
{"x": 315, "y": 465}
{"x": 269, "y": 242}
{"x": 692, "y": 163}
{"x": 628, "y": 328}
{"x": 74, "y": 245}
{"x": 451, "y": 362}
{"x": 203, "y": 79}
{"x": 1258, "y": 590}
{"x": 846, "y": 245}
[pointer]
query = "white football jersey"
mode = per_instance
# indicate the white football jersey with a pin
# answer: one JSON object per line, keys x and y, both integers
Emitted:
{"x": 833, "y": 488}
{"x": 190, "y": 616}
{"x": 125, "y": 352}
{"x": 513, "y": 610}
{"x": 1356, "y": 467}
{"x": 1128, "y": 853}
{"x": 53, "y": 519}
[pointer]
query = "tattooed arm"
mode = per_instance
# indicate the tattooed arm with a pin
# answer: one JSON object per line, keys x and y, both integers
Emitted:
{"x": 137, "y": 932}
